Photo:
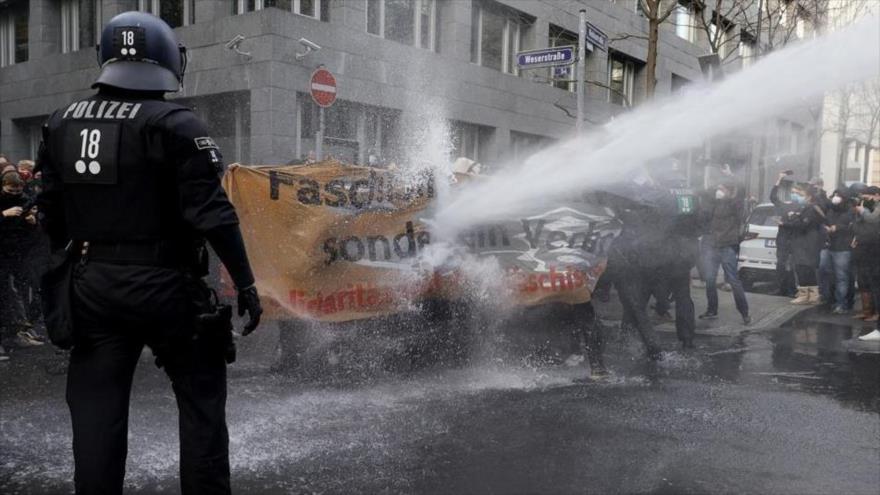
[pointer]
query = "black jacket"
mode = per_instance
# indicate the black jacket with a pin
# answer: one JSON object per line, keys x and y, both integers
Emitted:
{"x": 866, "y": 231}
{"x": 842, "y": 218}
{"x": 127, "y": 167}
{"x": 16, "y": 234}
{"x": 726, "y": 221}
{"x": 807, "y": 234}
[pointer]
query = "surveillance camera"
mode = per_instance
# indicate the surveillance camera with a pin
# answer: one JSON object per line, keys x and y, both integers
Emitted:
{"x": 234, "y": 42}
{"x": 311, "y": 45}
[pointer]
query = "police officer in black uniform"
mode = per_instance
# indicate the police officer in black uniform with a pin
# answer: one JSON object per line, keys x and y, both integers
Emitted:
{"x": 132, "y": 187}
{"x": 657, "y": 241}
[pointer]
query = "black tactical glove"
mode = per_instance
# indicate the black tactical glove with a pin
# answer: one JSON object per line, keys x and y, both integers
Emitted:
{"x": 249, "y": 301}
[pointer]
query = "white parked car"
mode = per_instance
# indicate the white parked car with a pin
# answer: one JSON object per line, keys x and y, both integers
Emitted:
{"x": 757, "y": 253}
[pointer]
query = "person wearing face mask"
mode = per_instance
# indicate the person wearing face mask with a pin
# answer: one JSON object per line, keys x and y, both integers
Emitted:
{"x": 721, "y": 248}
{"x": 784, "y": 266}
{"x": 806, "y": 226}
{"x": 866, "y": 254}
{"x": 836, "y": 255}
{"x": 16, "y": 229}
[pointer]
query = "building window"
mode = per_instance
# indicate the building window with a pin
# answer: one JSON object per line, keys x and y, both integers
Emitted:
{"x": 679, "y": 83}
{"x": 242, "y": 6}
{"x": 316, "y": 9}
{"x": 497, "y": 34}
{"x": 411, "y": 22}
{"x": 621, "y": 73}
{"x": 524, "y": 145}
{"x": 746, "y": 49}
{"x": 720, "y": 39}
{"x": 469, "y": 140}
{"x": 175, "y": 12}
{"x": 80, "y": 24}
{"x": 308, "y": 8}
{"x": 684, "y": 22}
{"x": 563, "y": 37}
{"x": 14, "y": 34}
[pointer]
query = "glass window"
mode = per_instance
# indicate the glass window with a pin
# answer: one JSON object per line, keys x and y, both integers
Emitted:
{"x": 242, "y": 6}
{"x": 498, "y": 34}
{"x": 171, "y": 11}
{"x": 764, "y": 216}
{"x": 492, "y": 39}
{"x": 175, "y": 12}
{"x": 20, "y": 29}
{"x": 87, "y": 23}
{"x": 746, "y": 50}
{"x": 279, "y": 4}
{"x": 563, "y": 37}
{"x": 374, "y": 17}
{"x": 684, "y": 25}
{"x": 426, "y": 24}
{"x": 620, "y": 81}
{"x": 14, "y": 34}
{"x": 411, "y": 22}
{"x": 309, "y": 8}
{"x": 80, "y": 24}
{"x": 400, "y": 21}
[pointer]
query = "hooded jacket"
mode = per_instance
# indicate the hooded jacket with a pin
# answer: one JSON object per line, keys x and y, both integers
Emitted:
{"x": 842, "y": 218}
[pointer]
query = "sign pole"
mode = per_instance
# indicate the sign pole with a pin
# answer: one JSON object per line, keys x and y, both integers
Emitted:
{"x": 323, "y": 89}
{"x": 582, "y": 55}
{"x": 319, "y": 137}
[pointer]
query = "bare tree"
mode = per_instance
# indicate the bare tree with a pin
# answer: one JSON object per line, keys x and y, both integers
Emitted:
{"x": 656, "y": 12}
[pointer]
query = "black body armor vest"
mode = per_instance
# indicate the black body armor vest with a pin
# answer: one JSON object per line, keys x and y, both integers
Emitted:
{"x": 118, "y": 184}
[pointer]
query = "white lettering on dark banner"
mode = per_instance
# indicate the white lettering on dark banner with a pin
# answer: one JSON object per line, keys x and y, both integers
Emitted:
{"x": 106, "y": 110}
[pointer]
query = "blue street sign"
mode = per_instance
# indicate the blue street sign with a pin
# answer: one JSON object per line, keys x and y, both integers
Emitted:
{"x": 562, "y": 71}
{"x": 546, "y": 57}
{"x": 596, "y": 37}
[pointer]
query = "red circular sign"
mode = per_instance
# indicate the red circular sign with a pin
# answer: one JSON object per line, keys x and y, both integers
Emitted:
{"x": 323, "y": 87}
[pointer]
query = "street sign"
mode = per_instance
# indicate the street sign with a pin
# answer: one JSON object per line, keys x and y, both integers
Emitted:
{"x": 596, "y": 37}
{"x": 323, "y": 88}
{"x": 563, "y": 71}
{"x": 545, "y": 57}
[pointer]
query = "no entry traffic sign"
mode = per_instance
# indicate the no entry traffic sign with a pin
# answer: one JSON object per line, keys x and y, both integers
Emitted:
{"x": 323, "y": 87}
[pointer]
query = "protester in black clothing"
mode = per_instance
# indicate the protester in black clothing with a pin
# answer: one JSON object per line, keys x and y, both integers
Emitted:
{"x": 866, "y": 251}
{"x": 720, "y": 246}
{"x": 806, "y": 227}
{"x": 836, "y": 256}
{"x": 17, "y": 231}
{"x": 655, "y": 243}
{"x": 784, "y": 265}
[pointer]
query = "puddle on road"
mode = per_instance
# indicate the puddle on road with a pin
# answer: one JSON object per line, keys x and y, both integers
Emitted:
{"x": 275, "y": 422}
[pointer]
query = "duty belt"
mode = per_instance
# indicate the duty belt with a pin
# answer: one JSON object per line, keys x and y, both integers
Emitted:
{"x": 151, "y": 253}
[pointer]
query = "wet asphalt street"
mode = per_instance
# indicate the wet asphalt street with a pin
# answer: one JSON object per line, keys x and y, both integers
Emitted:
{"x": 791, "y": 410}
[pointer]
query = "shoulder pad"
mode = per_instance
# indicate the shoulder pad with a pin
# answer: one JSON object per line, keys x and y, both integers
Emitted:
{"x": 188, "y": 131}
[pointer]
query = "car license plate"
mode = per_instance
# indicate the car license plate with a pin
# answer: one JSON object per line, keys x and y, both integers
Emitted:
{"x": 770, "y": 243}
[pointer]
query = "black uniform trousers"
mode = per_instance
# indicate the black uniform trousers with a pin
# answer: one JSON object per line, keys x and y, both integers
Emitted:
{"x": 118, "y": 309}
{"x": 628, "y": 280}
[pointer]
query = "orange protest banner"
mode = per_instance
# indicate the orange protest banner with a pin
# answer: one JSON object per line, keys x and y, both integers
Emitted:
{"x": 336, "y": 243}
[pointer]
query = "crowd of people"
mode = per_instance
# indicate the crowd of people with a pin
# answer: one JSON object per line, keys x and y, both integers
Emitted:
{"x": 828, "y": 250}
{"x": 828, "y": 247}
{"x": 20, "y": 257}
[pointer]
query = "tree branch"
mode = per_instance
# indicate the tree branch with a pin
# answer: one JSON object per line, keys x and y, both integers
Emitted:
{"x": 621, "y": 37}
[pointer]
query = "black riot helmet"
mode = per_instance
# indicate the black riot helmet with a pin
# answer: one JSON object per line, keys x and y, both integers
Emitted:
{"x": 140, "y": 52}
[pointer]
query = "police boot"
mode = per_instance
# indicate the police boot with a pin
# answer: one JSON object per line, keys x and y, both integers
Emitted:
{"x": 867, "y": 306}
{"x": 803, "y": 296}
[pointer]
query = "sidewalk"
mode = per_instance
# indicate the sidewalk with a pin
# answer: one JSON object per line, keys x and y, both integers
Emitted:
{"x": 767, "y": 312}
